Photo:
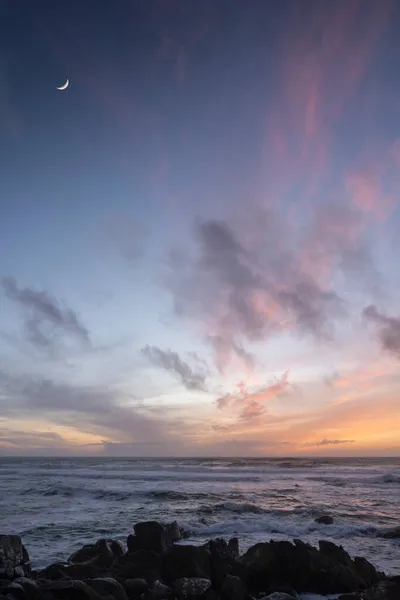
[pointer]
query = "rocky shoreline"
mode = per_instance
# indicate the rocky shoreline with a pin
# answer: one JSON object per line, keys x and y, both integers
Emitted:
{"x": 155, "y": 566}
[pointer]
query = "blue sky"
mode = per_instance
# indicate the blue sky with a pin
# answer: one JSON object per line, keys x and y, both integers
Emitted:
{"x": 198, "y": 237}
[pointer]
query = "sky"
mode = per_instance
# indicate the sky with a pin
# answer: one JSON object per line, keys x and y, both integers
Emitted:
{"x": 199, "y": 237}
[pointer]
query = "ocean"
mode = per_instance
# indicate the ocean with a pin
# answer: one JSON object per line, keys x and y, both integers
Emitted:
{"x": 57, "y": 505}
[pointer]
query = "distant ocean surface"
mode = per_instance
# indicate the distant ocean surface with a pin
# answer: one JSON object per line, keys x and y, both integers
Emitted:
{"x": 57, "y": 505}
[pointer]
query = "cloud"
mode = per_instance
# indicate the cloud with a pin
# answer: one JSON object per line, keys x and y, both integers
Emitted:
{"x": 250, "y": 401}
{"x": 169, "y": 360}
{"x": 45, "y": 317}
{"x": 244, "y": 284}
{"x": 388, "y": 329}
{"x": 100, "y": 411}
{"x": 326, "y": 442}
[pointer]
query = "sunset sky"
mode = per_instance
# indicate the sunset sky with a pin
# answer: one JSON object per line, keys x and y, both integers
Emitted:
{"x": 200, "y": 237}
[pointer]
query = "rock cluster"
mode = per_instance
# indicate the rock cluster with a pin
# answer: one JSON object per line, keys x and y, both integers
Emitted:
{"x": 154, "y": 567}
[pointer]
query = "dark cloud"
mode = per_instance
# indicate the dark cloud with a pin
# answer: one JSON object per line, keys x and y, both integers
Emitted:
{"x": 169, "y": 360}
{"x": 46, "y": 320}
{"x": 388, "y": 329}
{"x": 246, "y": 282}
{"x": 326, "y": 442}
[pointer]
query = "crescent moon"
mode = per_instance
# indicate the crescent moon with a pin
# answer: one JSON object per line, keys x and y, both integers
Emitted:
{"x": 64, "y": 87}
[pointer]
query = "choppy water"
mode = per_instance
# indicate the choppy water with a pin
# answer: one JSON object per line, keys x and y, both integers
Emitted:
{"x": 56, "y": 505}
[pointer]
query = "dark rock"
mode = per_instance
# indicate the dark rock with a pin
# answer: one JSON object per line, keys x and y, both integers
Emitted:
{"x": 385, "y": 590}
{"x": 191, "y": 588}
{"x": 16, "y": 591}
{"x": 278, "y": 596}
{"x": 159, "y": 591}
{"x": 233, "y": 547}
{"x": 224, "y": 561}
{"x": 187, "y": 561}
{"x": 29, "y": 585}
{"x": 67, "y": 590}
{"x": 106, "y": 586}
{"x": 210, "y": 594}
{"x": 391, "y": 534}
{"x": 233, "y": 588}
{"x": 174, "y": 532}
{"x": 14, "y": 558}
{"x": 143, "y": 564}
{"x": 149, "y": 535}
{"x": 324, "y": 520}
{"x": 101, "y": 553}
{"x": 327, "y": 570}
{"x": 367, "y": 572}
{"x": 135, "y": 587}
{"x": 78, "y": 571}
{"x": 285, "y": 589}
{"x": 355, "y": 596}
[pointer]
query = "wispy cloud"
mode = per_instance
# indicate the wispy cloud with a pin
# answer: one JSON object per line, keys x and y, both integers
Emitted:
{"x": 326, "y": 442}
{"x": 250, "y": 402}
{"x": 169, "y": 360}
{"x": 45, "y": 317}
{"x": 94, "y": 410}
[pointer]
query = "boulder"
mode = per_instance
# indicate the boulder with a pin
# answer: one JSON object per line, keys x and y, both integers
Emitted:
{"x": 191, "y": 588}
{"x": 324, "y": 520}
{"x": 328, "y": 570}
{"x": 67, "y": 590}
{"x": 15, "y": 590}
{"x": 224, "y": 561}
{"x": 14, "y": 558}
{"x": 174, "y": 532}
{"x": 233, "y": 588}
{"x": 106, "y": 586}
{"x": 74, "y": 571}
{"x": 143, "y": 564}
{"x": 186, "y": 562}
{"x": 385, "y": 590}
{"x": 391, "y": 534}
{"x": 135, "y": 588}
{"x": 159, "y": 591}
{"x": 29, "y": 585}
{"x": 102, "y": 553}
{"x": 150, "y": 535}
{"x": 278, "y": 596}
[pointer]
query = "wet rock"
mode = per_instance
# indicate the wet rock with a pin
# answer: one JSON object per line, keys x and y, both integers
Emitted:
{"x": 324, "y": 520}
{"x": 327, "y": 570}
{"x": 106, "y": 586}
{"x": 149, "y": 535}
{"x": 191, "y": 588}
{"x": 143, "y": 564}
{"x": 101, "y": 553}
{"x": 391, "y": 534}
{"x": 174, "y": 532}
{"x": 135, "y": 587}
{"x": 278, "y": 596}
{"x": 14, "y": 558}
{"x": 385, "y": 590}
{"x": 367, "y": 572}
{"x": 16, "y": 591}
{"x": 78, "y": 571}
{"x": 233, "y": 588}
{"x": 283, "y": 589}
{"x": 159, "y": 591}
{"x": 187, "y": 562}
{"x": 224, "y": 561}
{"x": 29, "y": 585}
{"x": 67, "y": 590}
